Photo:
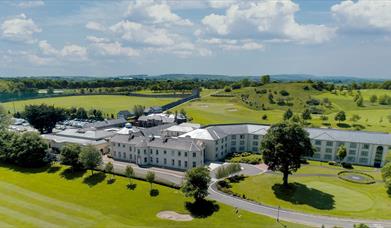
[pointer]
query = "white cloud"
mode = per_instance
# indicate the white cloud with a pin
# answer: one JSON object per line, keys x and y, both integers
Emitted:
{"x": 37, "y": 60}
{"x": 95, "y": 26}
{"x": 155, "y": 11}
{"x": 95, "y": 39}
{"x": 31, "y": 4}
{"x": 234, "y": 45}
{"x": 105, "y": 47}
{"x": 140, "y": 33}
{"x": 71, "y": 51}
{"x": 364, "y": 14}
{"x": 265, "y": 20}
{"x": 219, "y": 4}
{"x": 20, "y": 28}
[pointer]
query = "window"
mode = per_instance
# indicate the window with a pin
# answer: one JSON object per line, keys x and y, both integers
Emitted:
{"x": 157, "y": 160}
{"x": 119, "y": 144}
{"x": 316, "y": 155}
{"x": 255, "y": 136}
{"x": 145, "y": 160}
{"x": 329, "y": 150}
{"x": 185, "y": 154}
{"x": 130, "y": 156}
{"x": 179, "y": 163}
{"x": 172, "y": 162}
{"x": 233, "y": 143}
{"x": 318, "y": 149}
{"x": 365, "y": 146}
{"x": 164, "y": 152}
{"x": 241, "y": 148}
{"x": 233, "y": 136}
{"x": 363, "y": 160}
{"x": 115, "y": 154}
{"x": 194, "y": 164}
{"x": 130, "y": 148}
{"x": 255, "y": 143}
{"x": 151, "y": 151}
{"x": 353, "y": 145}
{"x": 241, "y": 136}
{"x": 186, "y": 164}
{"x": 255, "y": 149}
{"x": 123, "y": 145}
{"x": 165, "y": 161}
{"x": 352, "y": 152}
{"x": 172, "y": 153}
{"x": 233, "y": 149}
{"x": 124, "y": 155}
{"x": 241, "y": 143}
{"x": 119, "y": 154}
{"x": 364, "y": 153}
{"x": 138, "y": 151}
{"x": 327, "y": 156}
{"x": 318, "y": 142}
{"x": 329, "y": 143}
{"x": 179, "y": 153}
{"x": 145, "y": 151}
{"x": 194, "y": 154}
{"x": 157, "y": 152}
{"x": 150, "y": 159}
{"x": 351, "y": 159}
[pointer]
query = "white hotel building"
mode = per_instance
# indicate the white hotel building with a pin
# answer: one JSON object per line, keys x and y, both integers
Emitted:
{"x": 184, "y": 148}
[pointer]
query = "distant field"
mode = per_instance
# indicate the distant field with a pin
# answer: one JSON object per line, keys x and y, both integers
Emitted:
{"x": 59, "y": 198}
{"x": 210, "y": 110}
{"x": 109, "y": 104}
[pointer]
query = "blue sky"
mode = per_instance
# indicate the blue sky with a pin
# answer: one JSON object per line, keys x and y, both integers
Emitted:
{"x": 234, "y": 37}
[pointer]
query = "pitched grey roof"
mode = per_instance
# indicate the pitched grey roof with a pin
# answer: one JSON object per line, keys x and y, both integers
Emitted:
{"x": 85, "y": 134}
{"x": 106, "y": 123}
{"x": 350, "y": 136}
{"x": 185, "y": 144}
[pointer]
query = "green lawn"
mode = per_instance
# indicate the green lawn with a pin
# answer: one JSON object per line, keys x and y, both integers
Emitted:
{"x": 320, "y": 194}
{"x": 212, "y": 110}
{"x": 50, "y": 198}
{"x": 107, "y": 103}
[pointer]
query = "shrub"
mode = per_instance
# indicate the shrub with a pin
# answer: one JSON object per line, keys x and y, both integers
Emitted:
{"x": 284, "y": 93}
{"x": 332, "y": 163}
{"x": 226, "y": 170}
{"x": 264, "y": 117}
{"x": 347, "y": 165}
{"x": 313, "y": 101}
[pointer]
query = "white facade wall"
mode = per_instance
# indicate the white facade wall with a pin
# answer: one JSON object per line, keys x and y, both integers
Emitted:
{"x": 161, "y": 157}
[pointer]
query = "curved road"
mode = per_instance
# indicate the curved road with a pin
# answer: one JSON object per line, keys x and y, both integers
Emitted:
{"x": 287, "y": 215}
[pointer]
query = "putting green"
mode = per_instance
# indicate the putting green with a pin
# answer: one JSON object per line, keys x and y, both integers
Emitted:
{"x": 361, "y": 201}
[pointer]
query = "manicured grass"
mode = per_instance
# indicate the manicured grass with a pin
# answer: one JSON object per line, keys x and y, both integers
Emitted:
{"x": 48, "y": 198}
{"x": 211, "y": 110}
{"x": 109, "y": 104}
{"x": 320, "y": 194}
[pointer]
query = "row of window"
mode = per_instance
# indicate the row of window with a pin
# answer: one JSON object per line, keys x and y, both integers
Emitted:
{"x": 351, "y": 145}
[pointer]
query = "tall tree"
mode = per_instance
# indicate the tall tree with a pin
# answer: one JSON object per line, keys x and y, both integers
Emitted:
{"x": 90, "y": 157}
{"x": 150, "y": 177}
{"x": 43, "y": 117}
{"x": 283, "y": 147}
{"x": 30, "y": 150}
{"x": 265, "y": 79}
{"x": 109, "y": 169}
{"x": 341, "y": 153}
{"x": 373, "y": 99}
{"x": 306, "y": 114}
{"x": 288, "y": 114}
{"x": 196, "y": 183}
{"x": 138, "y": 110}
{"x": 129, "y": 172}
{"x": 69, "y": 155}
{"x": 340, "y": 116}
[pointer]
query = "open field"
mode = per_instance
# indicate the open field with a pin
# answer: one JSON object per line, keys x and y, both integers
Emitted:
{"x": 211, "y": 110}
{"x": 318, "y": 190}
{"x": 55, "y": 197}
{"x": 107, "y": 103}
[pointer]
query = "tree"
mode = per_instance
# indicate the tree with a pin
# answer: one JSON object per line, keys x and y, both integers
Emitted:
{"x": 129, "y": 172}
{"x": 29, "y": 150}
{"x": 69, "y": 155}
{"x": 340, "y": 116}
{"x": 355, "y": 118}
{"x": 183, "y": 112}
{"x": 109, "y": 169}
{"x": 4, "y": 117}
{"x": 150, "y": 177}
{"x": 386, "y": 174}
{"x": 90, "y": 157}
{"x": 360, "y": 101}
{"x": 196, "y": 183}
{"x": 341, "y": 153}
{"x": 306, "y": 114}
{"x": 265, "y": 79}
{"x": 138, "y": 110}
{"x": 283, "y": 147}
{"x": 43, "y": 117}
{"x": 373, "y": 99}
{"x": 288, "y": 114}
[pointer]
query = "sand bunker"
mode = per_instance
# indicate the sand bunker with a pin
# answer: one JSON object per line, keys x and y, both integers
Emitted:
{"x": 232, "y": 110}
{"x": 172, "y": 215}
{"x": 203, "y": 106}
